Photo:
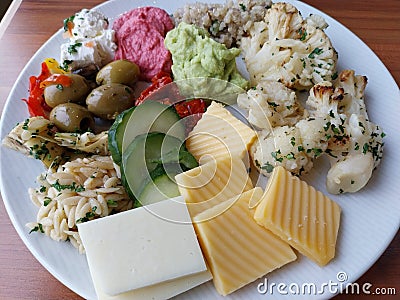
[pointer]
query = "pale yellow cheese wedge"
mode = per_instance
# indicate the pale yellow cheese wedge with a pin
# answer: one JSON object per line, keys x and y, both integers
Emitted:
{"x": 238, "y": 250}
{"x": 218, "y": 134}
{"x": 160, "y": 291}
{"x": 298, "y": 213}
{"x": 212, "y": 183}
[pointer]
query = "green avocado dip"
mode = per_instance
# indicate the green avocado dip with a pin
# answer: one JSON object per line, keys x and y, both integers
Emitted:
{"x": 196, "y": 55}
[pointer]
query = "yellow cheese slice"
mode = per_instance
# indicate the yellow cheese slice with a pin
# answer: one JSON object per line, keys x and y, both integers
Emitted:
{"x": 298, "y": 213}
{"x": 212, "y": 183}
{"x": 218, "y": 134}
{"x": 237, "y": 249}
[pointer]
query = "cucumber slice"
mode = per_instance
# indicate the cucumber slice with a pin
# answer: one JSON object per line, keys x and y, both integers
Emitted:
{"x": 116, "y": 134}
{"x": 142, "y": 156}
{"x": 152, "y": 116}
{"x": 159, "y": 188}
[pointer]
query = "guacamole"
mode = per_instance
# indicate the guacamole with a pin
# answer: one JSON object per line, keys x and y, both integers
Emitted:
{"x": 195, "y": 55}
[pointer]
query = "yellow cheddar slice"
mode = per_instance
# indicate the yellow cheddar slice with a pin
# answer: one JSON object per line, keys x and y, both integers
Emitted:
{"x": 237, "y": 249}
{"x": 218, "y": 134}
{"x": 212, "y": 183}
{"x": 304, "y": 217}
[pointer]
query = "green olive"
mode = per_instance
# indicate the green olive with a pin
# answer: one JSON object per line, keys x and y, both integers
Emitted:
{"x": 57, "y": 94}
{"x": 118, "y": 71}
{"x": 109, "y": 100}
{"x": 71, "y": 117}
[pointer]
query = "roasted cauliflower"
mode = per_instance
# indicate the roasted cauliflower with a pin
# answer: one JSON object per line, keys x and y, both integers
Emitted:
{"x": 334, "y": 123}
{"x": 355, "y": 144}
{"x": 271, "y": 104}
{"x": 285, "y": 47}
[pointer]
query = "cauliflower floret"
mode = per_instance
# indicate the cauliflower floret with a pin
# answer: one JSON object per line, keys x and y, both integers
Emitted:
{"x": 353, "y": 163}
{"x": 354, "y": 87}
{"x": 281, "y": 147}
{"x": 286, "y": 48}
{"x": 313, "y": 136}
{"x": 349, "y": 174}
{"x": 324, "y": 100}
{"x": 271, "y": 104}
{"x": 355, "y": 144}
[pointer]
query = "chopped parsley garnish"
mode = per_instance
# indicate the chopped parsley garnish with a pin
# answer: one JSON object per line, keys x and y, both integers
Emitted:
{"x": 268, "y": 167}
{"x": 47, "y": 201}
{"x": 68, "y": 20}
{"x": 275, "y": 156}
{"x": 316, "y": 51}
{"x": 39, "y": 228}
{"x": 88, "y": 215}
{"x": 242, "y": 6}
{"x": 72, "y": 48}
{"x": 303, "y": 34}
{"x": 73, "y": 187}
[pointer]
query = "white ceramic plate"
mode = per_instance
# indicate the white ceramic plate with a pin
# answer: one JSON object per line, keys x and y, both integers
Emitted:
{"x": 370, "y": 218}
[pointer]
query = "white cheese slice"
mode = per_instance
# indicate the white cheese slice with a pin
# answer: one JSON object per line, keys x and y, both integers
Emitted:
{"x": 160, "y": 291}
{"x": 142, "y": 247}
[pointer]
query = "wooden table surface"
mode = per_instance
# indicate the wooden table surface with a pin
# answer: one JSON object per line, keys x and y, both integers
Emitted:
{"x": 376, "y": 22}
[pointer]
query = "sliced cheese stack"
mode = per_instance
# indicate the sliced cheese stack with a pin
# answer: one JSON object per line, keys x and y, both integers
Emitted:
{"x": 304, "y": 217}
{"x": 218, "y": 134}
{"x": 149, "y": 252}
{"x": 237, "y": 249}
{"x": 212, "y": 183}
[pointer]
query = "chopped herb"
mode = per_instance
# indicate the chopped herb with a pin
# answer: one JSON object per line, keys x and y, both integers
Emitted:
{"x": 316, "y": 51}
{"x": 112, "y": 203}
{"x": 88, "y": 215}
{"x": 303, "y": 34}
{"x": 47, "y": 201}
{"x": 268, "y": 167}
{"x": 300, "y": 148}
{"x": 68, "y": 20}
{"x": 242, "y": 6}
{"x": 365, "y": 148}
{"x": 65, "y": 65}
{"x": 275, "y": 156}
{"x": 273, "y": 104}
{"x": 73, "y": 187}
{"x": 72, "y": 48}
{"x": 290, "y": 156}
{"x": 39, "y": 227}
{"x": 352, "y": 181}
{"x": 317, "y": 151}
{"x": 334, "y": 76}
{"x": 25, "y": 125}
{"x": 293, "y": 140}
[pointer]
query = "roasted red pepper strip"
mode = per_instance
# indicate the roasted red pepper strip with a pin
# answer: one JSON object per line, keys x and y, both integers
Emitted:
{"x": 157, "y": 82}
{"x": 36, "y": 104}
{"x": 56, "y": 79}
{"x": 191, "y": 107}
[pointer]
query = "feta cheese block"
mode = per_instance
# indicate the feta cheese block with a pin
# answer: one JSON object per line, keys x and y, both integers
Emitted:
{"x": 218, "y": 134}
{"x": 237, "y": 249}
{"x": 90, "y": 40}
{"x": 160, "y": 291}
{"x": 298, "y": 213}
{"x": 212, "y": 183}
{"x": 142, "y": 247}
